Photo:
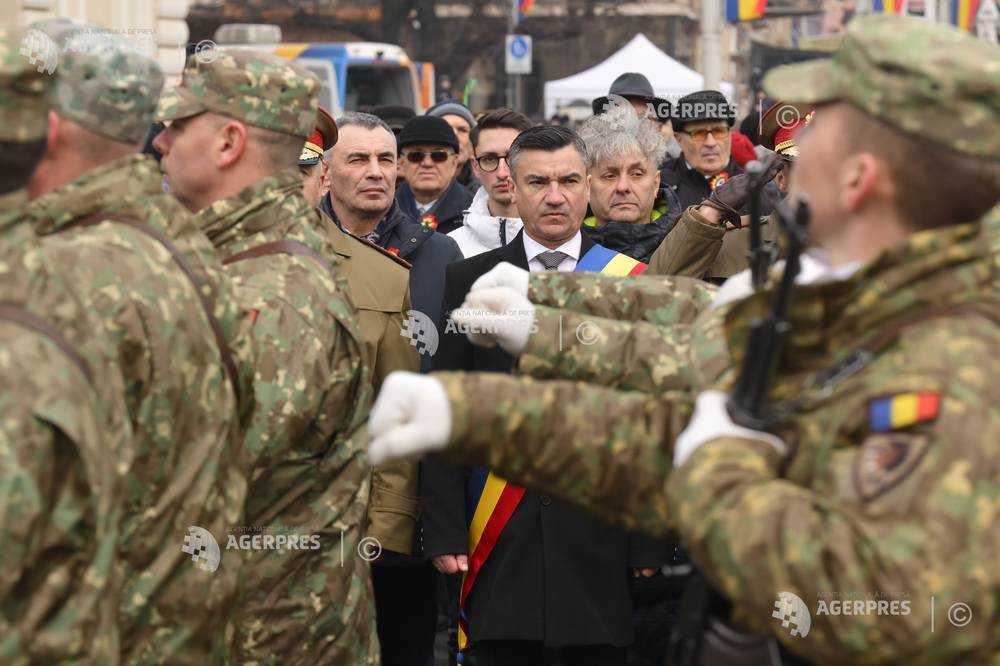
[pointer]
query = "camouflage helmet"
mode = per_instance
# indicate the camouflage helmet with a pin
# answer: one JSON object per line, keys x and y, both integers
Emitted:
{"x": 23, "y": 88}
{"x": 925, "y": 79}
{"x": 257, "y": 88}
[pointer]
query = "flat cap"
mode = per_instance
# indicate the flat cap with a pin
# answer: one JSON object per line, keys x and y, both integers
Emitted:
{"x": 926, "y": 79}
{"x": 703, "y": 105}
{"x": 428, "y": 130}
{"x": 257, "y": 88}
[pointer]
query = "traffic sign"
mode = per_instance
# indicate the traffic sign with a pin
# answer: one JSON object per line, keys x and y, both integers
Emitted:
{"x": 518, "y": 51}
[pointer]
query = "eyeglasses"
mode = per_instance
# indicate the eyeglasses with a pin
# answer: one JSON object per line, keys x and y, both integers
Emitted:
{"x": 490, "y": 162}
{"x": 417, "y": 156}
{"x": 699, "y": 135}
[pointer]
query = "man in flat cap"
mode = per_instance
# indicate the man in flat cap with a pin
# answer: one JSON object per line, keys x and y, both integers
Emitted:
{"x": 237, "y": 127}
{"x": 99, "y": 224}
{"x": 702, "y": 121}
{"x": 429, "y": 154}
{"x": 877, "y": 464}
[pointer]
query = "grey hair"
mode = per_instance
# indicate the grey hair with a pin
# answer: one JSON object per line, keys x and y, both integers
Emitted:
{"x": 365, "y": 120}
{"x": 619, "y": 132}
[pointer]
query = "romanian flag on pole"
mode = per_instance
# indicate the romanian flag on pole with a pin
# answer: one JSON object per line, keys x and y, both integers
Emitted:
{"x": 744, "y": 10}
{"x": 523, "y": 7}
{"x": 888, "y": 6}
{"x": 963, "y": 13}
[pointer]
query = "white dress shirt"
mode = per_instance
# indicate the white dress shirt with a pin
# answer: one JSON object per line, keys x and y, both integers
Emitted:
{"x": 571, "y": 248}
{"x": 423, "y": 208}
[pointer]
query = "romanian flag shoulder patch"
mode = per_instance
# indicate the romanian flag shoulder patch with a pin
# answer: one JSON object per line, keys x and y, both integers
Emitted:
{"x": 902, "y": 410}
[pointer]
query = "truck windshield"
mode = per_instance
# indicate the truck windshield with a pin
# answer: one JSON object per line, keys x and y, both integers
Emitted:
{"x": 378, "y": 85}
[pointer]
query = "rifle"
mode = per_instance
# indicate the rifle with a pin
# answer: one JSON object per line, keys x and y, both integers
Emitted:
{"x": 700, "y": 639}
{"x": 758, "y": 256}
{"x": 746, "y": 404}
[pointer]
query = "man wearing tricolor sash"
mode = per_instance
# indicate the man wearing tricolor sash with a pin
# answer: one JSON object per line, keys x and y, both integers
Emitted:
{"x": 871, "y": 473}
{"x": 541, "y": 580}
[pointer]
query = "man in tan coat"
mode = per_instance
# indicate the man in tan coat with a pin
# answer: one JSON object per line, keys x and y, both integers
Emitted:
{"x": 378, "y": 284}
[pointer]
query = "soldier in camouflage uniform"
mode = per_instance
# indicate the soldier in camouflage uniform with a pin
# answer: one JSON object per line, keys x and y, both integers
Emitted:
{"x": 237, "y": 127}
{"x": 878, "y": 479}
{"x": 64, "y": 437}
{"x": 100, "y": 225}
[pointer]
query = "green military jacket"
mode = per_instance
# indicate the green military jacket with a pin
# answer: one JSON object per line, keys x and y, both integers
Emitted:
{"x": 180, "y": 395}
{"x": 700, "y": 248}
{"x": 64, "y": 445}
{"x": 862, "y": 507}
{"x": 310, "y": 474}
{"x": 379, "y": 285}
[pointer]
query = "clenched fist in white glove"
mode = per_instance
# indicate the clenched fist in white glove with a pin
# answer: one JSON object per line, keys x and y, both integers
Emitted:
{"x": 504, "y": 275}
{"x": 711, "y": 421}
{"x": 411, "y": 416}
{"x": 496, "y": 316}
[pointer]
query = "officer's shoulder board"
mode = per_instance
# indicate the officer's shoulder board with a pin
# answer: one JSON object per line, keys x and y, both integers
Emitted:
{"x": 386, "y": 253}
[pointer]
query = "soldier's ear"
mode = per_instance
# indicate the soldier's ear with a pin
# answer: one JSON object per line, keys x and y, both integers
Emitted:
{"x": 863, "y": 176}
{"x": 230, "y": 143}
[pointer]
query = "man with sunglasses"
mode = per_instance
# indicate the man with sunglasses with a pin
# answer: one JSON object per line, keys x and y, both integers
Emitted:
{"x": 428, "y": 150}
{"x": 492, "y": 219}
{"x": 702, "y": 123}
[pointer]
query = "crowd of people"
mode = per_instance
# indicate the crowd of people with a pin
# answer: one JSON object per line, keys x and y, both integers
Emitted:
{"x": 559, "y": 327}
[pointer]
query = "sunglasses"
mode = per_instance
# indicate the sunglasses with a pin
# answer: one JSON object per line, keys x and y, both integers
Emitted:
{"x": 417, "y": 156}
{"x": 699, "y": 135}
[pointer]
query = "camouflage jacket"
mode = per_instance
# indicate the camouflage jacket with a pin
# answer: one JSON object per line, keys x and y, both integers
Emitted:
{"x": 888, "y": 493}
{"x": 180, "y": 400}
{"x": 310, "y": 472}
{"x": 64, "y": 447}
{"x": 638, "y": 334}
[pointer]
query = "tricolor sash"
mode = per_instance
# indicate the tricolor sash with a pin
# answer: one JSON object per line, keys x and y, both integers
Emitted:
{"x": 492, "y": 500}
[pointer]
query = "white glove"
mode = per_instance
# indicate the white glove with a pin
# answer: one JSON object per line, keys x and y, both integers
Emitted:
{"x": 504, "y": 275}
{"x": 496, "y": 315}
{"x": 411, "y": 416}
{"x": 711, "y": 421}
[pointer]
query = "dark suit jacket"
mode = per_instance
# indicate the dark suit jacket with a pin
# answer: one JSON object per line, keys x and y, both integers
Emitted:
{"x": 556, "y": 574}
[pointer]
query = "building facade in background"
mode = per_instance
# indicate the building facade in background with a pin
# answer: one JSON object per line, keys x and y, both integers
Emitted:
{"x": 156, "y": 27}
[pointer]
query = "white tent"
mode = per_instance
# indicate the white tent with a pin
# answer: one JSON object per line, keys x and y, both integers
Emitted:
{"x": 670, "y": 78}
